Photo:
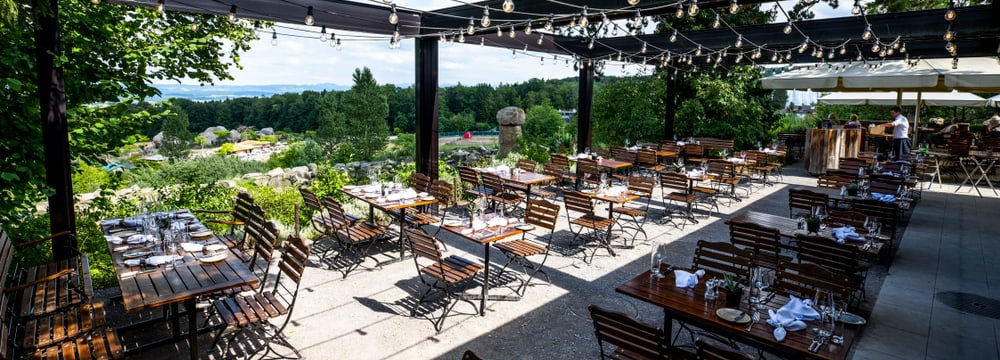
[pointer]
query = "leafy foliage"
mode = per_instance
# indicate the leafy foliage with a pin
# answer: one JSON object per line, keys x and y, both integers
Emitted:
{"x": 733, "y": 107}
{"x": 175, "y": 136}
{"x": 298, "y": 154}
{"x": 205, "y": 170}
{"x": 542, "y": 125}
{"x": 628, "y": 109}
{"x": 363, "y": 115}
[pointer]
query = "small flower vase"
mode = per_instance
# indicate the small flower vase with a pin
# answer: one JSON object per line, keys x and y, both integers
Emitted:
{"x": 812, "y": 226}
{"x": 733, "y": 297}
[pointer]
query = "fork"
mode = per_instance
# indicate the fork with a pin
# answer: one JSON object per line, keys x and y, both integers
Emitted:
{"x": 753, "y": 320}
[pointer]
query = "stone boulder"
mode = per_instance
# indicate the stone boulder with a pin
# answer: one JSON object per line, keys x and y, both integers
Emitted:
{"x": 510, "y": 120}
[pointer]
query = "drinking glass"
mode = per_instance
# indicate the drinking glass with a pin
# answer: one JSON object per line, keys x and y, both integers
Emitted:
{"x": 658, "y": 256}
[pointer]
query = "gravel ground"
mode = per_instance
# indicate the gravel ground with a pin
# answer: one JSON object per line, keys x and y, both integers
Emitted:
{"x": 367, "y": 315}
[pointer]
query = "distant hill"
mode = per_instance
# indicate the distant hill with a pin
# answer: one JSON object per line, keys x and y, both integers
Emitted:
{"x": 222, "y": 92}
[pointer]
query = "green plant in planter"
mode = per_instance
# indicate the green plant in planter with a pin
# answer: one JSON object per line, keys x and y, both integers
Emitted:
{"x": 852, "y": 189}
{"x": 813, "y": 219}
{"x": 731, "y": 284}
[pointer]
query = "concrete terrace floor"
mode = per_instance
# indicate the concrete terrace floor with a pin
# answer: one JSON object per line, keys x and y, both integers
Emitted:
{"x": 947, "y": 246}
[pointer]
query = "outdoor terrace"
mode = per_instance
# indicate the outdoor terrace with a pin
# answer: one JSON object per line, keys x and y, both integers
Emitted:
{"x": 946, "y": 246}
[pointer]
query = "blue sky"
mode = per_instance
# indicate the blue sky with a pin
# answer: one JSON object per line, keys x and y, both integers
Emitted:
{"x": 310, "y": 61}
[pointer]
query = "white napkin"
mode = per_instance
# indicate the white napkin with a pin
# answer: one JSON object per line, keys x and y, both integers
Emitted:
{"x": 685, "y": 279}
{"x": 139, "y": 239}
{"x": 680, "y": 143}
{"x": 883, "y": 197}
{"x": 617, "y": 190}
{"x": 162, "y": 259}
{"x": 409, "y": 194}
{"x": 133, "y": 262}
{"x": 192, "y": 247}
{"x": 113, "y": 239}
{"x": 790, "y": 316}
{"x": 735, "y": 160}
{"x": 497, "y": 221}
{"x": 846, "y": 233}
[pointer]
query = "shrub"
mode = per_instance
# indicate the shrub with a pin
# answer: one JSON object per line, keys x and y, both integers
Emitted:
{"x": 279, "y": 204}
{"x": 299, "y": 154}
{"x": 195, "y": 171}
{"x": 88, "y": 178}
{"x": 225, "y": 149}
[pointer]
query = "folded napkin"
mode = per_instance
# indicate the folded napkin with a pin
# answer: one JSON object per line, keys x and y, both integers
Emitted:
{"x": 139, "y": 239}
{"x": 891, "y": 173}
{"x": 735, "y": 160}
{"x": 685, "y": 279}
{"x": 113, "y": 239}
{"x": 846, "y": 233}
{"x": 162, "y": 259}
{"x": 681, "y": 143}
{"x": 790, "y": 316}
{"x": 616, "y": 190}
{"x": 695, "y": 173}
{"x": 497, "y": 221}
{"x": 883, "y": 197}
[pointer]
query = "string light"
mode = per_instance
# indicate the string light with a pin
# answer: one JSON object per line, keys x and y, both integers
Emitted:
{"x": 902, "y": 48}
{"x": 739, "y": 42}
{"x": 499, "y": 32}
{"x": 857, "y": 8}
{"x": 485, "y": 21}
{"x": 159, "y": 6}
{"x": 876, "y": 47}
{"x": 697, "y": 52}
{"x": 393, "y": 17}
{"x": 548, "y": 24}
{"x": 590, "y": 45}
{"x": 867, "y": 35}
{"x": 583, "y": 17}
{"x": 716, "y": 22}
{"x": 232, "y": 13}
{"x": 604, "y": 19}
{"x": 540, "y": 37}
{"x": 734, "y": 7}
{"x": 950, "y": 13}
{"x": 680, "y": 11}
{"x": 322, "y": 34}
{"x": 527, "y": 28}
{"x": 572, "y": 22}
{"x": 395, "y": 33}
{"x": 693, "y": 9}
{"x": 619, "y": 58}
{"x": 471, "y": 29}
{"x": 673, "y": 36}
{"x": 274, "y": 37}
{"x": 194, "y": 26}
{"x": 954, "y": 63}
{"x": 804, "y": 46}
{"x": 788, "y": 28}
{"x": 309, "y": 16}
{"x": 508, "y": 6}
{"x": 633, "y": 2}
{"x": 482, "y": 41}
{"x": 774, "y": 56}
{"x": 512, "y": 32}
{"x": 949, "y": 34}
{"x": 643, "y": 50}
{"x": 338, "y": 45}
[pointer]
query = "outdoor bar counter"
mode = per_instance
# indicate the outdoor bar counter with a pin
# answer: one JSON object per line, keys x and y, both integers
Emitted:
{"x": 825, "y": 147}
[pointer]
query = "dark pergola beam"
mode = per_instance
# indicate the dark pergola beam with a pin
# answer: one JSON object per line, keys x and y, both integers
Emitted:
{"x": 426, "y": 84}
{"x": 585, "y": 109}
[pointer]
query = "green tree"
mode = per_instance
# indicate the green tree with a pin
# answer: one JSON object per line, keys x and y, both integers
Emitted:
{"x": 175, "y": 136}
{"x": 542, "y": 125}
{"x": 363, "y": 115}
{"x": 110, "y": 55}
{"x": 327, "y": 135}
{"x": 629, "y": 109}
{"x": 201, "y": 141}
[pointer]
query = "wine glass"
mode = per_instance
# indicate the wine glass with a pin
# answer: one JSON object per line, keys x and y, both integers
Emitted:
{"x": 586, "y": 150}
{"x": 656, "y": 258}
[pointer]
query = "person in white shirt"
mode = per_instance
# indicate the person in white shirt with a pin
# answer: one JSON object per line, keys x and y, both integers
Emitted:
{"x": 900, "y": 133}
{"x": 992, "y": 125}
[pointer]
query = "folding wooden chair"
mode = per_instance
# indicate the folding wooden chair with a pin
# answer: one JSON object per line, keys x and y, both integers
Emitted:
{"x": 319, "y": 219}
{"x": 563, "y": 162}
{"x": 762, "y": 240}
{"x": 446, "y": 274}
{"x": 721, "y": 258}
{"x": 643, "y": 187}
{"x": 238, "y": 217}
{"x": 694, "y": 153}
{"x": 806, "y": 280}
{"x": 805, "y": 201}
{"x": 845, "y": 259}
{"x": 632, "y": 339}
{"x": 471, "y": 182}
{"x": 674, "y": 188}
{"x": 598, "y": 226}
{"x": 543, "y": 215}
{"x": 500, "y": 198}
{"x": 648, "y": 163}
{"x": 252, "y": 314}
{"x": 354, "y": 240}
{"x": 419, "y": 182}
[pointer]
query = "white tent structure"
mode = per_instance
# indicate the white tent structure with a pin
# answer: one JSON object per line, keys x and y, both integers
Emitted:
{"x": 953, "y": 98}
{"x": 993, "y": 101}
{"x": 981, "y": 74}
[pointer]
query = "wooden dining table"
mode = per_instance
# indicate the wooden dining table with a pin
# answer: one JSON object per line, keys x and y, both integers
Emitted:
{"x": 689, "y": 306}
{"x": 485, "y": 237}
{"x": 524, "y": 179}
{"x": 396, "y": 208}
{"x": 789, "y": 228}
{"x": 619, "y": 199}
{"x": 146, "y": 287}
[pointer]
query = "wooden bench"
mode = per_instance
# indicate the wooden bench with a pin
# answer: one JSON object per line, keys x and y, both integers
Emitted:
{"x": 715, "y": 144}
{"x": 74, "y": 332}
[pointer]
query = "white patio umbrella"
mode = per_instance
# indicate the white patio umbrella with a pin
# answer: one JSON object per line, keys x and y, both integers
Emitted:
{"x": 981, "y": 74}
{"x": 953, "y": 98}
{"x": 993, "y": 101}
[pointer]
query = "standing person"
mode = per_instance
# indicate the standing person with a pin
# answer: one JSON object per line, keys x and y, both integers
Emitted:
{"x": 900, "y": 133}
{"x": 852, "y": 123}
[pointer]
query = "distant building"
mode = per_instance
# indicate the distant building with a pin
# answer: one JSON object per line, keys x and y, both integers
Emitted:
{"x": 567, "y": 115}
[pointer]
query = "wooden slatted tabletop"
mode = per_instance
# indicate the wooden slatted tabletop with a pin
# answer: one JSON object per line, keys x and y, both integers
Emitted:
{"x": 689, "y": 306}
{"x": 790, "y": 227}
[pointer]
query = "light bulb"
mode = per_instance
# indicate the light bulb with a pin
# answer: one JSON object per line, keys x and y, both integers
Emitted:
{"x": 232, "y": 13}
{"x": 322, "y": 34}
{"x": 716, "y": 22}
{"x": 949, "y": 34}
{"x": 548, "y": 24}
{"x": 805, "y": 45}
{"x": 512, "y": 32}
{"x": 527, "y": 29}
{"x": 583, "y": 17}
{"x": 673, "y": 36}
{"x": 619, "y": 58}
{"x": 482, "y": 41}
{"x": 633, "y": 2}
{"x": 485, "y": 21}
{"x": 902, "y": 49}
{"x": 680, "y": 11}
{"x": 508, "y": 6}
{"x": 734, "y": 7}
{"x": 309, "y": 16}
{"x": 461, "y": 37}
{"x": 693, "y": 9}
{"x": 954, "y": 64}
{"x": 739, "y": 58}
{"x": 756, "y": 53}
{"x": 867, "y": 35}
{"x": 643, "y": 50}
{"x": 950, "y": 13}
{"x": 951, "y": 47}
{"x": 859, "y": 58}
{"x": 499, "y": 32}
{"x": 788, "y": 56}
{"x": 274, "y": 37}
{"x": 194, "y": 26}
{"x": 395, "y": 33}
{"x": 159, "y": 6}
{"x": 604, "y": 19}
{"x": 393, "y": 17}
{"x": 696, "y": 52}
{"x": 774, "y": 56}
{"x": 471, "y": 29}
{"x": 739, "y": 42}
{"x": 540, "y": 37}
{"x": 876, "y": 48}
{"x": 843, "y": 50}
{"x": 590, "y": 45}
{"x": 441, "y": 38}
{"x": 572, "y": 22}
{"x": 614, "y": 31}
{"x": 890, "y": 51}
{"x": 788, "y": 28}
{"x": 857, "y": 8}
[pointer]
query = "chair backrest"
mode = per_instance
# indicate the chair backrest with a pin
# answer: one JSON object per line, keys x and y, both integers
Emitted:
{"x": 423, "y": 244}
{"x": 641, "y": 185}
{"x": 469, "y": 177}
{"x": 839, "y": 258}
{"x": 807, "y": 200}
{"x": 586, "y": 167}
{"x": 241, "y": 209}
{"x": 492, "y": 181}
{"x": 311, "y": 200}
{"x": 674, "y": 181}
{"x": 628, "y": 334}
{"x": 646, "y": 157}
{"x": 852, "y": 164}
{"x": 721, "y": 168}
{"x": 762, "y": 240}
{"x": 758, "y": 156}
{"x": 670, "y": 146}
{"x": 554, "y": 170}
{"x": 710, "y": 351}
{"x": 886, "y": 213}
{"x": 623, "y": 154}
{"x": 847, "y": 218}
{"x": 805, "y": 280}
{"x": 335, "y": 211}
{"x": 721, "y": 258}
{"x": 291, "y": 267}
{"x": 578, "y": 202}
{"x": 265, "y": 236}
{"x": 560, "y": 159}
{"x": 693, "y": 150}
{"x": 832, "y": 181}
{"x": 419, "y": 182}
{"x": 527, "y": 165}
{"x": 542, "y": 213}
{"x": 443, "y": 192}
